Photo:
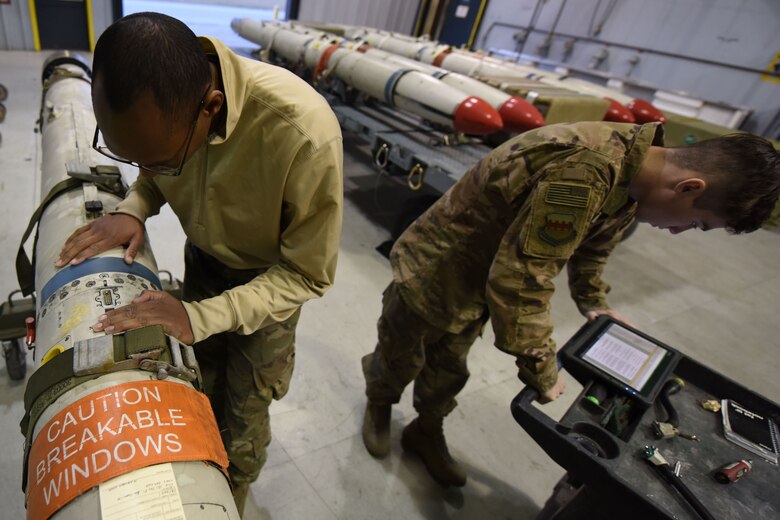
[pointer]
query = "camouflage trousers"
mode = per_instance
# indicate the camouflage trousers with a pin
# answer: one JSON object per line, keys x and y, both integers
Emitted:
{"x": 411, "y": 349}
{"x": 242, "y": 375}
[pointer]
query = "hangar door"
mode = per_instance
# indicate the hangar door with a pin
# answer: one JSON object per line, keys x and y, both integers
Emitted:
{"x": 62, "y": 24}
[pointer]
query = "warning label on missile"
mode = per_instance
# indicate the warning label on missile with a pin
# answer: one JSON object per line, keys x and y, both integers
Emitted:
{"x": 114, "y": 431}
{"x": 149, "y": 493}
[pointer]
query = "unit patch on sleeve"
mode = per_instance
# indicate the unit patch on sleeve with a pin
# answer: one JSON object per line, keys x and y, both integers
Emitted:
{"x": 565, "y": 194}
{"x": 559, "y": 215}
{"x": 558, "y": 228}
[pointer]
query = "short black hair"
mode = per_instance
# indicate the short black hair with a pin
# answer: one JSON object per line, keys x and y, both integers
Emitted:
{"x": 743, "y": 177}
{"x": 151, "y": 52}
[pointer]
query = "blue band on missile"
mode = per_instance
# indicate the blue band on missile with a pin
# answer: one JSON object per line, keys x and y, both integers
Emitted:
{"x": 390, "y": 85}
{"x": 440, "y": 74}
{"x": 104, "y": 264}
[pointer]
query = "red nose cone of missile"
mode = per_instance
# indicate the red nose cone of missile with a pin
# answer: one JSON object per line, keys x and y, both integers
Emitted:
{"x": 617, "y": 113}
{"x": 475, "y": 116}
{"x": 519, "y": 115}
{"x": 645, "y": 112}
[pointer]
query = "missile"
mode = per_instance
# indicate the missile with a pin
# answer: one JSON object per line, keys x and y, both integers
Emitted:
{"x": 645, "y": 112}
{"x": 404, "y": 88}
{"x": 622, "y": 108}
{"x": 618, "y": 113}
{"x": 112, "y": 423}
{"x": 517, "y": 114}
{"x": 477, "y": 65}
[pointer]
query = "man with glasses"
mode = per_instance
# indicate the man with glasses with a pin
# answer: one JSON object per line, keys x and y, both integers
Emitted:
{"x": 250, "y": 159}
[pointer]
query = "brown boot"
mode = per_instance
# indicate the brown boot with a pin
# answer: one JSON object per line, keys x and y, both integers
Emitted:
{"x": 425, "y": 438}
{"x": 376, "y": 429}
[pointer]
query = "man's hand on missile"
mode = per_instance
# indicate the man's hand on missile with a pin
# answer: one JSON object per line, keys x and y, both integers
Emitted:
{"x": 150, "y": 308}
{"x": 592, "y": 315}
{"x": 105, "y": 233}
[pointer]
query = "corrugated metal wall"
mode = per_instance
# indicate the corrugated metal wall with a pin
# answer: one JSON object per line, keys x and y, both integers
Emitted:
{"x": 15, "y": 27}
{"x": 702, "y": 47}
{"x": 391, "y": 15}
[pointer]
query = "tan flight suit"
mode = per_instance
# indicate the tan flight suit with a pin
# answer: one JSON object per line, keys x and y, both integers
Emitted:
{"x": 261, "y": 205}
{"x": 489, "y": 249}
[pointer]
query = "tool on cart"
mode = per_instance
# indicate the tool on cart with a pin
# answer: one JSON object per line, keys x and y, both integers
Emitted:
{"x": 733, "y": 472}
{"x": 669, "y": 428}
{"x": 666, "y": 472}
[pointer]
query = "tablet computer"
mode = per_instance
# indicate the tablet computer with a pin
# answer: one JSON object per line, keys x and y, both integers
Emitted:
{"x": 621, "y": 357}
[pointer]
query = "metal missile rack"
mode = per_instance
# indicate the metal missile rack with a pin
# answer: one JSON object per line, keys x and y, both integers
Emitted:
{"x": 427, "y": 160}
{"x": 404, "y": 145}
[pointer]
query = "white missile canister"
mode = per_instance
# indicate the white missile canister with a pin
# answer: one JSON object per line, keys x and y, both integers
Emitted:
{"x": 407, "y": 89}
{"x": 517, "y": 114}
{"x": 113, "y": 424}
{"x": 398, "y": 86}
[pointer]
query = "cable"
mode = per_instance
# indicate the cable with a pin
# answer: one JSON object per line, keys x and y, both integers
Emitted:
{"x": 671, "y": 387}
{"x": 676, "y": 482}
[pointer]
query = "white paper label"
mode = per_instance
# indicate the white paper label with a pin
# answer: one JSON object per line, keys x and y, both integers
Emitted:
{"x": 150, "y": 493}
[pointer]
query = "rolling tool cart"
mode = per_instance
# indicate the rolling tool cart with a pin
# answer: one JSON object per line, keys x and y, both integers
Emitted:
{"x": 619, "y": 442}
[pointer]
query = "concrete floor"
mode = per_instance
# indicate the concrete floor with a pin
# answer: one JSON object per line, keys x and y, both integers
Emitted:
{"x": 712, "y": 296}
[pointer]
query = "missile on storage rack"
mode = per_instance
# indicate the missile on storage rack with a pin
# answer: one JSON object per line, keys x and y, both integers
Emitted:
{"x": 478, "y": 65}
{"x": 621, "y": 109}
{"x": 112, "y": 423}
{"x": 517, "y": 114}
{"x": 406, "y": 89}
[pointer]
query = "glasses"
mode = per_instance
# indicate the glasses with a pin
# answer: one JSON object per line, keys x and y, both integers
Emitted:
{"x": 155, "y": 169}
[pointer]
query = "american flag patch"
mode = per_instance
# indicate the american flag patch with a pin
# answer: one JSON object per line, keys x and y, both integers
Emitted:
{"x": 563, "y": 194}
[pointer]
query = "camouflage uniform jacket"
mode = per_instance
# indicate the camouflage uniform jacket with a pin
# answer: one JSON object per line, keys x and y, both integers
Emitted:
{"x": 498, "y": 237}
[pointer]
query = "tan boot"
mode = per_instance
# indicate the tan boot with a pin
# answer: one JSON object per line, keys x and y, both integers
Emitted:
{"x": 425, "y": 438}
{"x": 376, "y": 429}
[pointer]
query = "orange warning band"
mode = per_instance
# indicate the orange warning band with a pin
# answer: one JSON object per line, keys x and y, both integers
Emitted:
{"x": 437, "y": 61}
{"x": 322, "y": 64}
{"x": 114, "y": 431}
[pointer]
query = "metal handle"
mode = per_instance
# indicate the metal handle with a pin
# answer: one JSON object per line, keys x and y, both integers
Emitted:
{"x": 382, "y": 156}
{"x": 13, "y": 293}
{"x": 419, "y": 171}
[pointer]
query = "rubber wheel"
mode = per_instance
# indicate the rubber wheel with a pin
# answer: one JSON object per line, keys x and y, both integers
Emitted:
{"x": 3, "y": 93}
{"x": 15, "y": 359}
{"x": 2, "y": 112}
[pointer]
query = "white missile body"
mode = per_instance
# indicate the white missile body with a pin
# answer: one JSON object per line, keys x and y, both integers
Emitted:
{"x": 68, "y": 457}
{"x": 398, "y": 86}
{"x": 476, "y": 65}
{"x": 518, "y": 115}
